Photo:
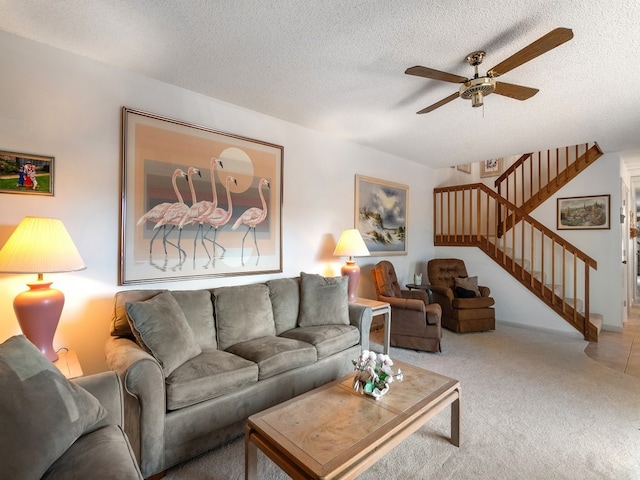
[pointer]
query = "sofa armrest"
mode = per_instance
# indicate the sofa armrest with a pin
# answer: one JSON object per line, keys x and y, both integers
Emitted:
{"x": 145, "y": 401}
{"x": 361, "y": 317}
{"x": 107, "y": 388}
{"x": 484, "y": 291}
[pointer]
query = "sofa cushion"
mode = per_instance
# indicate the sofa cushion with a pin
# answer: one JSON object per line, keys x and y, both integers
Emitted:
{"x": 323, "y": 300}
{"x": 198, "y": 310}
{"x": 159, "y": 326}
{"x": 275, "y": 355}
{"x": 41, "y": 412}
{"x": 285, "y": 302}
{"x": 242, "y": 313}
{"x": 211, "y": 374}
{"x": 105, "y": 453}
{"x": 328, "y": 339}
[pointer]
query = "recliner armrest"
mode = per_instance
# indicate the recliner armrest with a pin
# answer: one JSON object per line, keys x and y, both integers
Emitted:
{"x": 484, "y": 291}
{"x": 404, "y": 303}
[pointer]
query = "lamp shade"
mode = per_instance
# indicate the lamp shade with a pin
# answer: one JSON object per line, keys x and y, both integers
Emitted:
{"x": 351, "y": 244}
{"x": 40, "y": 245}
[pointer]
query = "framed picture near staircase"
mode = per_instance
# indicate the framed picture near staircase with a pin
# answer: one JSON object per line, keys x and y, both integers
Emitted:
{"x": 584, "y": 213}
{"x": 491, "y": 168}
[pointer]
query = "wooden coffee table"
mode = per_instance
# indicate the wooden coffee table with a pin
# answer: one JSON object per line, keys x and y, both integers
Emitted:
{"x": 333, "y": 432}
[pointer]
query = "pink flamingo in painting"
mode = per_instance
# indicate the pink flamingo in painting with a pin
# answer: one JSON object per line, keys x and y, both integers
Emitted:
{"x": 220, "y": 216}
{"x": 253, "y": 216}
{"x": 157, "y": 213}
{"x": 201, "y": 210}
{"x": 174, "y": 214}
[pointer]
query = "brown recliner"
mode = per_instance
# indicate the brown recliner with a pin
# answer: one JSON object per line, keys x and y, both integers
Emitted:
{"x": 459, "y": 314}
{"x": 415, "y": 323}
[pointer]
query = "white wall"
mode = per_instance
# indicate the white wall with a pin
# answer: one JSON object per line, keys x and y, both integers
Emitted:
{"x": 55, "y": 103}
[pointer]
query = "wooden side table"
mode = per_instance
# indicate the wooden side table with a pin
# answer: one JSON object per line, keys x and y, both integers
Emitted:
{"x": 380, "y": 308}
{"x": 68, "y": 364}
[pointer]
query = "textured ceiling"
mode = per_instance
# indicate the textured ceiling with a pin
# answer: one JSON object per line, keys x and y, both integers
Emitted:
{"x": 338, "y": 66}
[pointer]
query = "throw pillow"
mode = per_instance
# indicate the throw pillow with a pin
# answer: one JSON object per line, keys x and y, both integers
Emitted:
{"x": 242, "y": 313}
{"x": 160, "y": 326}
{"x": 42, "y": 413}
{"x": 323, "y": 300}
{"x": 285, "y": 301}
{"x": 470, "y": 284}
{"x": 460, "y": 292}
{"x": 197, "y": 307}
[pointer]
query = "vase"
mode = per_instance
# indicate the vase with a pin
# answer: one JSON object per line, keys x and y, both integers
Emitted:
{"x": 377, "y": 393}
{"x": 417, "y": 279}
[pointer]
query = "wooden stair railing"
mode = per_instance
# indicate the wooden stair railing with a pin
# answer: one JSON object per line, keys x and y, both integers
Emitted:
{"x": 535, "y": 177}
{"x": 466, "y": 215}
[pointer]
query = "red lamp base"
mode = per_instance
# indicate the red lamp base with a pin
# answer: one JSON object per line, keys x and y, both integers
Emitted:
{"x": 352, "y": 271}
{"x": 38, "y": 311}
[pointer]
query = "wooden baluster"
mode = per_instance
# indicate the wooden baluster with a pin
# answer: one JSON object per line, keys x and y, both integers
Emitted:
{"x": 587, "y": 315}
{"x": 575, "y": 289}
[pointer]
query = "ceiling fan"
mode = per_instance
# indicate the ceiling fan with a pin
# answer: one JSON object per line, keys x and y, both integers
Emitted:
{"x": 477, "y": 87}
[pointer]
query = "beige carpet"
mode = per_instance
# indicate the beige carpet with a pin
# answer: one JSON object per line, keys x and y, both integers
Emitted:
{"x": 534, "y": 406}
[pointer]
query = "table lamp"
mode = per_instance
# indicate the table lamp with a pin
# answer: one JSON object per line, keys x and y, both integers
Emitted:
{"x": 351, "y": 245}
{"x": 40, "y": 245}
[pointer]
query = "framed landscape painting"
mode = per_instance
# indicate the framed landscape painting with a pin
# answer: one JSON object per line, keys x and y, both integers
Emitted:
{"x": 584, "y": 213}
{"x": 197, "y": 202}
{"x": 381, "y": 214}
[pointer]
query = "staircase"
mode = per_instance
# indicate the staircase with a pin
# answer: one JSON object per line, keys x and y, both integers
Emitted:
{"x": 499, "y": 223}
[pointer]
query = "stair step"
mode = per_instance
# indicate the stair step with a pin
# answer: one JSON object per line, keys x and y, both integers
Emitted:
{"x": 596, "y": 319}
{"x": 568, "y": 300}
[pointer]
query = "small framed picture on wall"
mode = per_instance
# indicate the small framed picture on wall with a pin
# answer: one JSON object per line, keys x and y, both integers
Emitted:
{"x": 491, "y": 168}
{"x": 25, "y": 173}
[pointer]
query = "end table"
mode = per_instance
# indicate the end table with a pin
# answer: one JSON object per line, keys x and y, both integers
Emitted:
{"x": 379, "y": 308}
{"x": 68, "y": 364}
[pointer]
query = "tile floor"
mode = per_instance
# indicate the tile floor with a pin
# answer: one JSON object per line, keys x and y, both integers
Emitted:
{"x": 620, "y": 351}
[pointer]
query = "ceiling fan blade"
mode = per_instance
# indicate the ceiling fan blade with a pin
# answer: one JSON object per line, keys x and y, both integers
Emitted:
{"x": 545, "y": 43}
{"x": 515, "y": 91}
{"x": 442, "y": 102}
{"x": 419, "y": 71}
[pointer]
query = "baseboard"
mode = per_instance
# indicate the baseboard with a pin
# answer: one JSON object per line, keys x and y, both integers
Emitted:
{"x": 536, "y": 328}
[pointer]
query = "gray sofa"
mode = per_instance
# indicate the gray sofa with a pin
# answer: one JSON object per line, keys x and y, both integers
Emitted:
{"x": 196, "y": 364}
{"x": 53, "y": 428}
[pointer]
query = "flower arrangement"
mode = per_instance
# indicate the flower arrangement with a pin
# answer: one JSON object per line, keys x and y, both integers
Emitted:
{"x": 374, "y": 374}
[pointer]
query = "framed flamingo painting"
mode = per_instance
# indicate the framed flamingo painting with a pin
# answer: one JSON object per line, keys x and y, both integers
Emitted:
{"x": 197, "y": 202}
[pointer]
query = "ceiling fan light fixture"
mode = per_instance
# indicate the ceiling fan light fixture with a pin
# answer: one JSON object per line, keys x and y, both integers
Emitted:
{"x": 476, "y": 89}
{"x": 476, "y": 99}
